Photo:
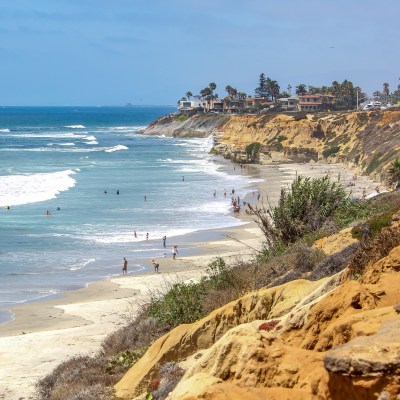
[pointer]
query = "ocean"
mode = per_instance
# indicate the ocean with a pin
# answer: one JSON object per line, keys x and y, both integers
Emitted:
{"x": 76, "y": 183}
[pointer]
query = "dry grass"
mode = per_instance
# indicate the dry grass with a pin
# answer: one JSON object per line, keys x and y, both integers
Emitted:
{"x": 169, "y": 376}
{"x": 373, "y": 249}
{"x": 80, "y": 377}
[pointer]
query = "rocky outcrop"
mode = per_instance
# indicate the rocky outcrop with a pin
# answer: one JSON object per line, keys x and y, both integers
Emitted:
{"x": 187, "y": 340}
{"x": 332, "y": 339}
{"x": 176, "y": 125}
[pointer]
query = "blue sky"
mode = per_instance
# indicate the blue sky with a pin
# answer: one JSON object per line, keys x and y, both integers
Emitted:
{"x": 110, "y": 52}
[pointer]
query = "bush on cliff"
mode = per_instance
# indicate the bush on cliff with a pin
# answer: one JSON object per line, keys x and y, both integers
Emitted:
{"x": 305, "y": 208}
{"x": 181, "y": 304}
{"x": 253, "y": 151}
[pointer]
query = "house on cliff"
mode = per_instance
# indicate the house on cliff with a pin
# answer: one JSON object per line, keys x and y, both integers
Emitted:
{"x": 316, "y": 102}
{"x": 289, "y": 103}
{"x": 231, "y": 105}
{"x": 191, "y": 106}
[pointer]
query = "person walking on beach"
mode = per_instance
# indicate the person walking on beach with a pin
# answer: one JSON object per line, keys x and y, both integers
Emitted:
{"x": 124, "y": 266}
{"x": 156, "y": 266}
{"x": 174, "y": 251}
{"x": 164, "y": 239}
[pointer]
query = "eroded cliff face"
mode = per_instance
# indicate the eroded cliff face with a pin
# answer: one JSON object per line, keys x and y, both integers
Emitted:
{"x": 183, "y": 126}
{"x": 332, "y": 339}
{"x": 368, "y": 141}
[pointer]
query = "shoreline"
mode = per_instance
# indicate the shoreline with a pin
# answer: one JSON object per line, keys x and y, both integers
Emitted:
{"x": 47, "y": 332}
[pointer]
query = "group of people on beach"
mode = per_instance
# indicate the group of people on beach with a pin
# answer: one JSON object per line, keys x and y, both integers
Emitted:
{"x": 155, "y": 265}
{"x": 236, "y": 203}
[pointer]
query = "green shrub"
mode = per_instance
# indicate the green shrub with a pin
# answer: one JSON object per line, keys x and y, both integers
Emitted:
{"x": 181, "y": 304}
{"x": 253, "y": 150}
{"x": 125, "y": 359}
{"x": 372, "y": 226}
{"x": 309, "y": 205}
{"x": 219, "y": 276}
{"x": 300, "y": 115}
{"x": 330, "y": 151}
{"x": 373, "y": 165}
{"x": 182, "y": 117}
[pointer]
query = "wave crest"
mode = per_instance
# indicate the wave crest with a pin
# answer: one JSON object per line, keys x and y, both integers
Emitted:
{"x": 116, "y": 148}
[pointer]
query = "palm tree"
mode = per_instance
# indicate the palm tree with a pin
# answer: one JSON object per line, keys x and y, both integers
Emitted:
{"x": 212, "y": 86}
{"x": 301, "y": 89}
{"x": 189, "y": 95}
{"x": 274, "y": 89}
{"x": 394, "y": 172}
{"x": 386, "y": 91}
{"x": 206, "y": 93}
{"x": 232, "y": 92}
{"x": 335, "y": 88}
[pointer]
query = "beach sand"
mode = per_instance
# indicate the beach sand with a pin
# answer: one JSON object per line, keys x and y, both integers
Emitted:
{"x": 48, "y": 332}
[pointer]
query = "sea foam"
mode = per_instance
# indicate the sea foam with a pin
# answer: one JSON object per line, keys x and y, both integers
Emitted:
{"x": 32, "y": 188}
{"x": 116, "y": 148}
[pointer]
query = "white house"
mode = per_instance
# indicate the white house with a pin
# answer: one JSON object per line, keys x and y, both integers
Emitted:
{"x": 289, "y": 103}
{"x": 188, "y": 106}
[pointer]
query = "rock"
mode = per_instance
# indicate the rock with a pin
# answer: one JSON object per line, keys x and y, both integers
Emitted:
{"x": 375, "y": 355}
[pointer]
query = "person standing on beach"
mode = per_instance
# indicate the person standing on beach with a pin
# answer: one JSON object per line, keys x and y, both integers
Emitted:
{"x": 156, "y": 266}
{"x": 124, "y": 266}
{"x": 147, "y": 236}
{"x": 164, "y": 239}
{"x": 174, "y": 251}
{"x": 135, "y": 234}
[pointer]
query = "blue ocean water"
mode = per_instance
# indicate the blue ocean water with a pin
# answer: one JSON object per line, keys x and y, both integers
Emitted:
{"x": 67, "y": 158}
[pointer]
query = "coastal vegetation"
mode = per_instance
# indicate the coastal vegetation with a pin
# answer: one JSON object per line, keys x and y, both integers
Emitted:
{"x": 311, "y": 209}
{"x": 347, "y": 95}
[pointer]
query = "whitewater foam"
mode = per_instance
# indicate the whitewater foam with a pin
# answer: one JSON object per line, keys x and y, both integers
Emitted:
{"x": 31, "y": 188}
{"x": 75, "y": 126}
{"x": 116, "y": 148}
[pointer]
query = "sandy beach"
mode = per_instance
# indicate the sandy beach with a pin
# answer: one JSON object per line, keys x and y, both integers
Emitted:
{"x": 48, "y": 332}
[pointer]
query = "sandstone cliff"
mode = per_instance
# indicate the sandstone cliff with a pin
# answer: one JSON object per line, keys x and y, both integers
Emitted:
{"x": 337, "y": 338}
{"x": 368, "y": 141}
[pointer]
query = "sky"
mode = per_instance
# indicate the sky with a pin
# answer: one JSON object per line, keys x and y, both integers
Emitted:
{"x": 151, "y": 52}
